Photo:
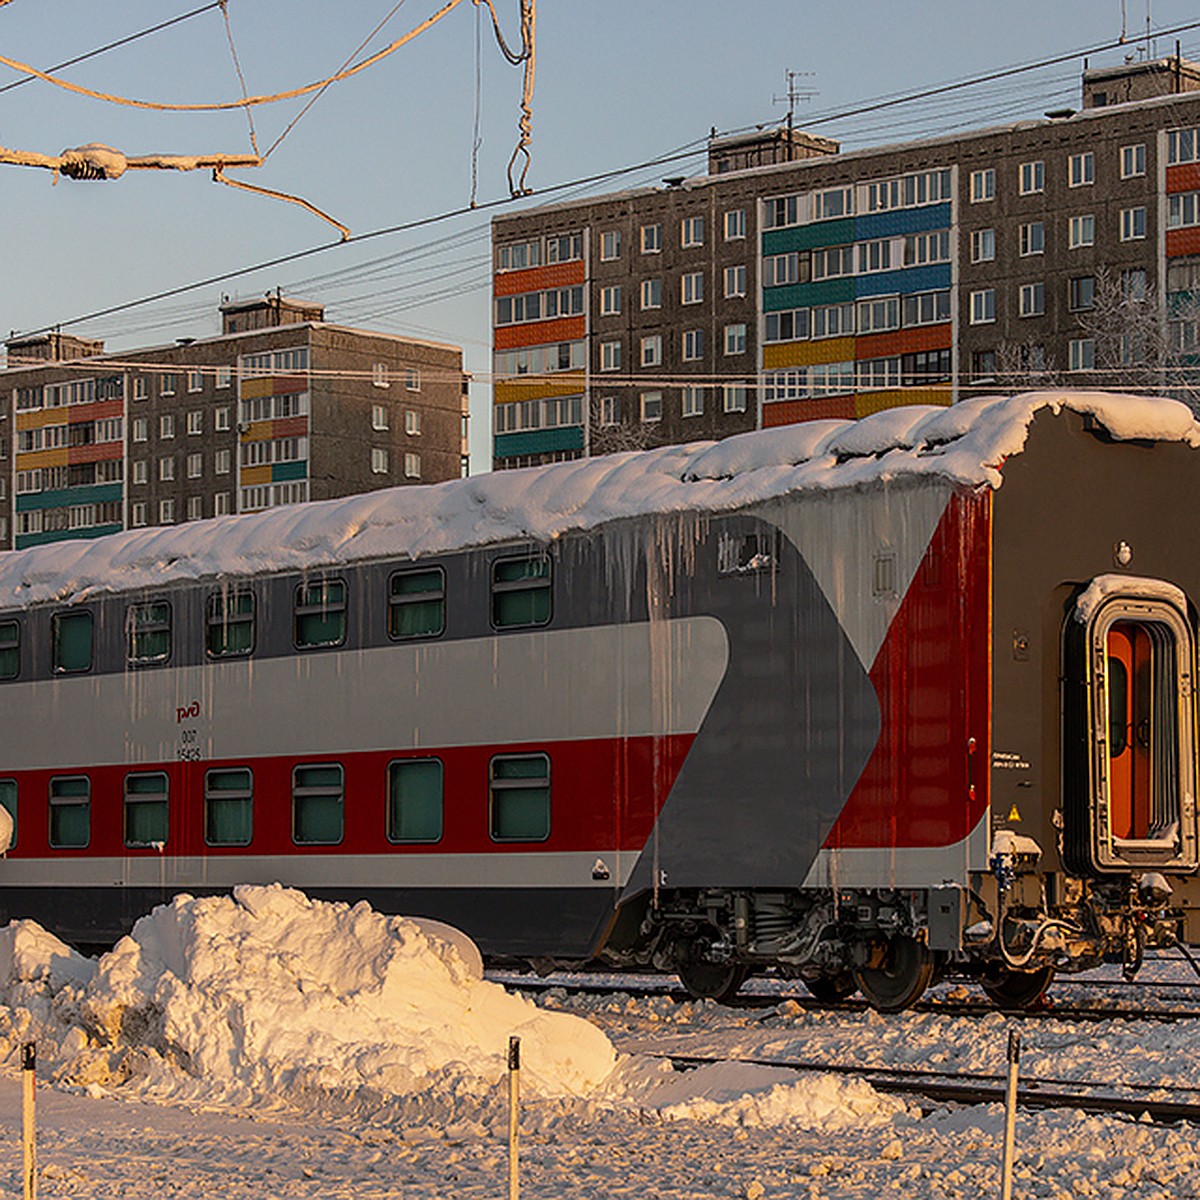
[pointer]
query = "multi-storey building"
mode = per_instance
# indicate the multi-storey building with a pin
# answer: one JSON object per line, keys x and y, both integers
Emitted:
{"x": 794, "y": 282}
{"x": 282, "y": 407}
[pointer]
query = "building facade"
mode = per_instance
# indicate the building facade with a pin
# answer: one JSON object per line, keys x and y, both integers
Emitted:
{"x": 791, "y": 283}
{"x": 279, "y": 409}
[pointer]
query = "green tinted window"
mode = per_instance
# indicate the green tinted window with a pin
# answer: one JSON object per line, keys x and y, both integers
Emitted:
{"x": 317, "y": 805}
{"x": 10, "y": 649}
{"x": 415, "y": 800}
{"x": 228, "y": 807}
{"x": 149, "y": 628}
{"x": 70, "y": 812}
{"x": 230, "y": 624}
{"x": 520, "y": 798}
{"x": 72, "y": 637}
{"x": 321, "y": 613}
{"x": 521, "y": 591}
{"x": 417, "y": 603}
{"x": 8, "y": 798}
{"x": 146, "y": 809}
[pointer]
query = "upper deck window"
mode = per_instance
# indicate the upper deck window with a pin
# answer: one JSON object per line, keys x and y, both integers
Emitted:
{"x": 230, "y": 624}
{"x": 521, "y": 591}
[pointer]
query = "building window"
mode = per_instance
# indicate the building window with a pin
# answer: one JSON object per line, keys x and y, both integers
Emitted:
{"x": 925, "y": 308}
{"x": 1033, "y": 238}
{"x": 651, "y": 293}
{"x": 71, "y": 642}
{"x": 1133, "y": 283}
{"x": 983, "y": 365}
{"x": 414, "y": 811}
{"x": 833, "y": 262}
{"x": 879, "y": 314}
{"x": 146, "y": 809}
{"x": 1133, "y": 161}
{"x": 379, "y": 460}
{"x": 379, "y": 416}
{"x": 141, "y": 470}
{"x": 417, "y": 603}
{"x": 166, "y": 469}
{"x": 983, "y": 185}
{"x": 735, "y": 224}
{"x": 412, "y": 466}
{"x": 229, "y": 807}
{"x": 983, "y": 306}
{"x": 610, "y": 300}
{"x": 610, "y": 410}
{"x": 195, "y": 508}
{"x": 317, "y": 794}
{"x": 521, "y": 591}
{"x": 412, "y": 379}
{"x": 651, "y": 239}
{"x": 733, "y": 397}
{"x": 166, "y": 385}
{"x": 195, "y": 465}
{"x": 70, "y": 812}
{"x": 379, "y": 375}
{"x": 1033, "y": 177}
{"x": 166, "y": 512}
{"x": 1183, "y": 210}
{"x": 519, "y": 798}
{"x": 141, "y": 429}
{"x": 1082, "y": 354}
{"x": 195, "y": 421}
{"x": 610, "y": 245}
{"x": 224, "y": 377}
{"x": 691, "y": 290}
{"x": 1133, "y": 224}
{"x": 652, "y": 351}
{"x": 693, "y": 345}
{"x": 195, "y": 381}
{"x": 141, "y": 387}
{"x": 779, "y": 270}
{"x": 222, "y": 506}
{"x": 1081, "y": 294}
{"x": 229, "y": 623}
{"x": 874, "y": 256}
{"x": 319, "y": 614}
{"x": 735, "y": 339}
{"x": 735, "y": 281}
{"x": 691, "y": 232}
{"x": 137, "y": 514}
{"x": 166, "y": 425}
{"x": 983, "y": 245}
{"x": 1033, "y": 299}
{"x": 610, "y": 356}
{"x": 1082, "y": 231}
{"x": 1082, "y": 169}
{"x": 693, "y": 401}
{"x": 651, "y": 405}
{"x": 221, "y": 419}
{"x": 222, "y": 462}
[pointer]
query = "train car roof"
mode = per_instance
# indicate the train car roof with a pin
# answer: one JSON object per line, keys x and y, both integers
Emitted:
{"x": 965, "y": 445}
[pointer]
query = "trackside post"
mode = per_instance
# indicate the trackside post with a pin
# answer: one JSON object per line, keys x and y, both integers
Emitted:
{"x": 514, "y": 1096}
{"x": 28, "y": 1068}
{"x": 1010, "y": 1114}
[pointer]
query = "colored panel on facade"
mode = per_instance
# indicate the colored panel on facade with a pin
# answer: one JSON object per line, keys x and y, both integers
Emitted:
{"x": 289, "y": 427}
{"x": 100, "y": 493}
{"x": 79, "y": 414}
{"x": 803, "y": 295}
{"x": 866, "y": 403}
{"x": 806, "y": 237}
{"x": 537, "y": 333}
{"x": 1183, "y": 178}
{"x": 902, "y": 221}
{"x": 912, "y": 279}
{"x": 42, "y": 458}
{"x": 534, "y": 387}
{"x": 792, "y": 412}
{"x": 283, "y": 472}
{"x": 1183, "y": 241}
{"x": 904, "y": 341}
{"x": 259, "y": 431}
{"x": 65, "y": 535}
{"x": 41, "y": 417}
{"x": 287, "y": 385}
{"x": 261, "y": 385}
{"x": 254, "y": 475}
{"x": 538, "y": 441}
{"x": 802, "y": 354}
{"x": 96, "y": 452}
{"x": 537, "y": 279}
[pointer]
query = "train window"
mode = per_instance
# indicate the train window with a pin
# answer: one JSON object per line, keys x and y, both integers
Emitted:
{"x": 519, "y": 800}
{"x": 229, "y": 807}
{"x": 149, "y": 629}
{"x": 415, "y": 800}
{"x": 320, "y": 613}
{"x": 8, "y": 798}
{"x": 10, "y": 649}
{"x": 521, "y": 591}
{"x": 417, "y": 603}
{"x": 146, "y": 809}
{"x": 70, "y": 812}
{"x": 230, "y": 624}
{"x": 317, "y": 808}
{"x": 71, "y": 636}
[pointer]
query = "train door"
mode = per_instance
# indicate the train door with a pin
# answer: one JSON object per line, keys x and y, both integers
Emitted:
{"x": 1138, "y": 664}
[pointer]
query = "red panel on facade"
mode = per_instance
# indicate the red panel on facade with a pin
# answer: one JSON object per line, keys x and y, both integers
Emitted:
{"x": 285, "y": 385}
{"x": 290, "y": 427}
{"x": 904, "y": 341}
{"x": 79, "y": 414}
{"x": 536, "y": 279}
{"x": 924, "y": 785}
{"x": 97, "y": 452}
{"x": 1183, "y": 241}
{"x": 792, "y": 412}
{"x": 1184, "y": 178}
{"x": 540, "y": 333}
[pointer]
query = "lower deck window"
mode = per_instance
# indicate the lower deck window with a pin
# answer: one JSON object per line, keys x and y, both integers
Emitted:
{"x": 70, "y": 812}
{"x": 415, "y": 800}
{"x": 229, "y": 807}
{"x": 317, "y": 805}
{"x": 519, "y": 801}
{"x": 8, "y": 798}
{"x": 146, "y": 809}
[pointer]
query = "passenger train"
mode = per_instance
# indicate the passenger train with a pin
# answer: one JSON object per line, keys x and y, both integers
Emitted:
{"x": 852, "y": 702}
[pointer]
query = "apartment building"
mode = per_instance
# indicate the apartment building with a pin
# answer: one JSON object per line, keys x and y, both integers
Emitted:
{"x": 282, "y": 407}
{"x": 793, "y": 282}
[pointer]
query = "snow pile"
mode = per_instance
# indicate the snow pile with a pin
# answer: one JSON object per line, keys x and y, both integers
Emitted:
{"x": 966, "y": 444}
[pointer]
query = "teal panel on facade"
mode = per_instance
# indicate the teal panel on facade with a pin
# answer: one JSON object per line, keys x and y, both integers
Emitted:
{"x": 65, "y": 535}
{"x": 806, "y": 237}
{"x": 802, "y": 295}
{"x": 912, "y": 279}
{"x": 96, "y": 493}
{"x": 538, "y": 441}
{"x": 901, "y": 221}
{"x": 284, "y": 472}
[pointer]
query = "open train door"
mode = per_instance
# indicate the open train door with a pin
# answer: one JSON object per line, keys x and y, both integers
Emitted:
{"x": 1130, "y": 772}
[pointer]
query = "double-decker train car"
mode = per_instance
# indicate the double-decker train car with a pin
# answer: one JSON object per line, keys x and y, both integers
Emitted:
{"x": 855, "y": 702}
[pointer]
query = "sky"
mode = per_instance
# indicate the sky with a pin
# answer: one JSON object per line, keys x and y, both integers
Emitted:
{"x": 617, "y": 84}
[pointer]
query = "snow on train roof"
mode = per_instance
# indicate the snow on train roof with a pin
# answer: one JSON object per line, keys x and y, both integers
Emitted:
{"x": 965, "y": 444}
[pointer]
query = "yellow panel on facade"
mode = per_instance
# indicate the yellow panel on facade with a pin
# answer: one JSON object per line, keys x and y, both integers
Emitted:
{"x": 40, "y": 418}
{"x": 804, "y": 354}
{"x": 260, "y": 431}
{"x": 866, "y": 403}
{"x": 255, "y": 475}
{"x": 535, "y": 387}
{"x": 42, "y": 458}
{"x": 264, "y": 385}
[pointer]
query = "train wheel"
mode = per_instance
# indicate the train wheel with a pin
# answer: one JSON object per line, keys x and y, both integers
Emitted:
{"x": 832, "y": 989}
{"x": 1012, "y": 991}
{"x": 901, "y": 979}
{"x": 707, "y": 980}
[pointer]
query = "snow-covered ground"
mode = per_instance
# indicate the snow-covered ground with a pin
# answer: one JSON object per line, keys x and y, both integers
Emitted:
{"x": 267, "y": 1045}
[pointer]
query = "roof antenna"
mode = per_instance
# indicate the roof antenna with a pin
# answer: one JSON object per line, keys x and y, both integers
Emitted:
{"x": 793, "y": 94}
